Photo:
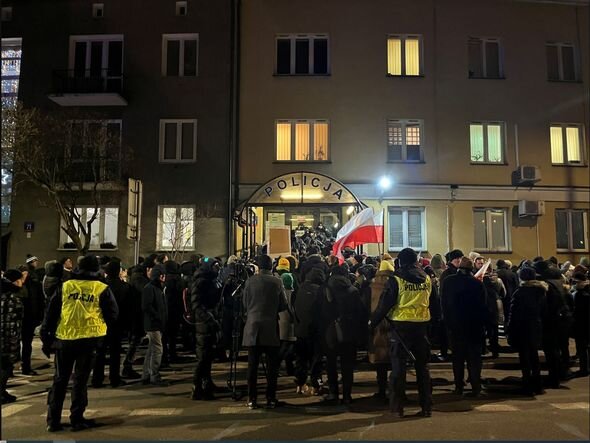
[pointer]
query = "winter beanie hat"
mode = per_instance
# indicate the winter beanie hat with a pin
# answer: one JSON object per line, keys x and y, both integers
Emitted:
{"x": 284, "y": 265}
{"x": 386, "y": 265}
{"x": 287, "y": 280}
{"x": 407, "y": 256}
{"x": 88, "y": 263}
{"x": 527, "y": 274}
{"x": 455, "y": 253}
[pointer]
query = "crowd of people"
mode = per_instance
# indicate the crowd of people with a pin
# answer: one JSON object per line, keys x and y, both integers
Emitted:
{"x": 308, "y": 313}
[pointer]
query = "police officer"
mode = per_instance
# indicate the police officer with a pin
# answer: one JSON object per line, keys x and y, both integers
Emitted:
{"x": 76, "y": 321}
{"x": 405, "y": 304}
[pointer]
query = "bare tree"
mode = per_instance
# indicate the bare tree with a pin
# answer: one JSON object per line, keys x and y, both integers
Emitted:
{"x": 181, "y": 227}
{"x": 74, "y": 157}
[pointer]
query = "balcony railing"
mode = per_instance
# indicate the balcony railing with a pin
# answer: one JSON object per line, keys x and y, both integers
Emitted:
{"x": 73, "y": 87}
{"x": 72, "y": 81}
{"x": 90, "y": 170}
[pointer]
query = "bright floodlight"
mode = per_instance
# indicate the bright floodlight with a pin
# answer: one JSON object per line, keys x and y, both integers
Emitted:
{"x": 385, "y": 183}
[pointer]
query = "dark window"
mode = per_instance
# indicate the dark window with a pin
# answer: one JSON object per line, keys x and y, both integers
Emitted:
{"x": 95, "y": 59}
{"x": 302, "y": 56}
{"x": 187, "y": 141}
{"x": 552, "y": 63}
{"x": 492, "y": 60}
{"x": 170, "y": 141}
{"x": 115, "y": 58}
{"x": 283, "y": 56}
{"x": 190, "y": 58}
{"x": 80, "y": 59}
{"x": 475, "y": 59}
{"x": 320, "y": 56}
{"x": 567, "y": 58}
{"x": 172, "y": 58}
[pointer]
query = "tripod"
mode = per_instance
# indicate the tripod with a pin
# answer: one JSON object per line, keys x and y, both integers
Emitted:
{"x": 235, "y": 344}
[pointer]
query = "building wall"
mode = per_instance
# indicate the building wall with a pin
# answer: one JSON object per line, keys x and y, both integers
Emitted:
{"x": 358, "y": 97}
{"x": 45, "y": 28}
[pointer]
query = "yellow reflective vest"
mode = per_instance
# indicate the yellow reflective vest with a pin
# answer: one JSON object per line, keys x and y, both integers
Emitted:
{"x": 412, "y": 301}
{"x": 81, "y": 316}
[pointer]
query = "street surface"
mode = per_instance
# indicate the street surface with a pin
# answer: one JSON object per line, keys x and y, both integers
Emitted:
{"x": 138, "y": 412}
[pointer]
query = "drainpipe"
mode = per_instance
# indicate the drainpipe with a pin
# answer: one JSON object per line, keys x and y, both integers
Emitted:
{"x": 234, "y": 122}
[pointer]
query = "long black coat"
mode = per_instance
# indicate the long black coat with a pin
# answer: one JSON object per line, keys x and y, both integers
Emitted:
{"x": 154, "y": 307}
{"x": 264, "y": 297}
{"x": 205, "y": 302}
{"x": 341, "y": 301}
{"x": 121, "y": 290}
{"x": 582, "y": 313}
{"x": 464, "y": 305}
{"x": 138, "y": 280}
{"x": 528, "y": 308}
{"x": 558, "y": 318}
{"x": 306, "y": 304}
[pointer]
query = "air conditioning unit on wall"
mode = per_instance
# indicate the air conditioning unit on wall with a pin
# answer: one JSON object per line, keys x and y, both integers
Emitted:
{"x": 531, "y": 208}
{"x": 528, "y": 174}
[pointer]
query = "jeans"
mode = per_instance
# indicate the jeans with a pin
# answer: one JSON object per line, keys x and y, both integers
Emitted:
{"x": 153, "y": 356}
{"x": 272, "y": 370}
{"x": 76, "y": 356}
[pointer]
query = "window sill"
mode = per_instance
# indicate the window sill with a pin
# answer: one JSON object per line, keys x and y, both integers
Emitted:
{"x": 302, "y": 161}
{"x": 171, "y": 249}
{"x": 405, "y": 76}
{"x": 493, "y": 251}
{"x": 390, "y": 249}
{"x": 489, "y": 163}
{"x": 411, "y": 162}
{"x": 486, "y": 78}
{"x": 177, "y": 162}
{"x": 567, "y": 165}
{"x": 572, "y": 251}
{"x": 564, "y": 81}
{"x": 301, "y": 75}
{"x": 90, "y": 249}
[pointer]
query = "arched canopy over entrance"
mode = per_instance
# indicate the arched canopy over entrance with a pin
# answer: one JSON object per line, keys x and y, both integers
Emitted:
{"x": 297, "y": 200}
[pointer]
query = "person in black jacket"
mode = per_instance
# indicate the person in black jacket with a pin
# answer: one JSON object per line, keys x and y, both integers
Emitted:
{"x": 34, "y": 306}
{"x": 173, "y": 290}
{"x": 205, "y": 305}
{"x": 11, "y": 317}
{"x": 137, "y": 281}
{"x": 510, "y": 280}
{"x": 340, "y": 327}
{"x": 452, "y": 258}
{"x": 464, "y": 310}
{"x": 155, "y": 315}
{"x": 308, "y": 356}
{"x": 582, "y": 320}
{"x": 494, "y": 291}
{"x": 525, "y": 328}
{"x": 313, "y": 260}
{"x": 556, "y": 323}
{"x": 53, "y": 278}
{"x": 114, "y": 335}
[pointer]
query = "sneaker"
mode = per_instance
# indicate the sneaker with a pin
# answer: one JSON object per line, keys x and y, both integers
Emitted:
{"x": 299, "y": 390}
{"x": 130, "y": 373}
{"x": 252, "y": 405}
{"x": 83, "y": 425}
{"x": 54, "y": 427}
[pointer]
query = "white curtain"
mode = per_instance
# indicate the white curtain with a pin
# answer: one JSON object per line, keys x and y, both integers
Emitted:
{"x": 412, "y": 56}
{"x": 573, "y": 144}
{"x": 394, "y": 56}
{"x": 320, "y": 141}
{"x": 556, "y": 144}
{"x": 302, "y": 141}
{"x": 476, "y": 138}
{"x": 283, "y": 141}
{"x": 495, "y": 143}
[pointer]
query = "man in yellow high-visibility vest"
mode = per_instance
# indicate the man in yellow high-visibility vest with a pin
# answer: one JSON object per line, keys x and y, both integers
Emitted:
{"x": 405, "y": 303}
{"x": 76, "y": 321}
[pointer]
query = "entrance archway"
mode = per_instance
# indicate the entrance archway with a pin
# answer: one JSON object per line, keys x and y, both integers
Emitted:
{"x": 295, "y": 199}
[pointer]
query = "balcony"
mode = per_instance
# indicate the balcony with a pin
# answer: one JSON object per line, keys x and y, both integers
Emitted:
{"x": 87, "y": 88}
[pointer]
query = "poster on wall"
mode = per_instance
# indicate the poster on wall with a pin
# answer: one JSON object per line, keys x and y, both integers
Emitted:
{"x": 279, "y": 241}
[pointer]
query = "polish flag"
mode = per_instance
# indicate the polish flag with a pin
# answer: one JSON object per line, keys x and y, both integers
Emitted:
{"x": 364, "y": 227}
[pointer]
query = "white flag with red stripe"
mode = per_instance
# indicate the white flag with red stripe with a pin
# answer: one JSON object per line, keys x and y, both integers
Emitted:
{"x": 364, "y": 227}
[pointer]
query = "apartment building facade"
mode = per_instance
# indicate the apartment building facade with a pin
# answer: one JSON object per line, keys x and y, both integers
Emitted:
{"x": 465, "y": 122}
{"x": 158, "y": 76}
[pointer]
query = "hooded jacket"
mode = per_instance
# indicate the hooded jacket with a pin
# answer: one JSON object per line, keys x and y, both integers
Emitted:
{"x": 307, "y": 302}
{"x": 525, "y": 323}
{"x": 53, "y": 278}
{"x": 205, "y": 299}
{"x": 558, "y": 318}
{"x": 341, "y": 301}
